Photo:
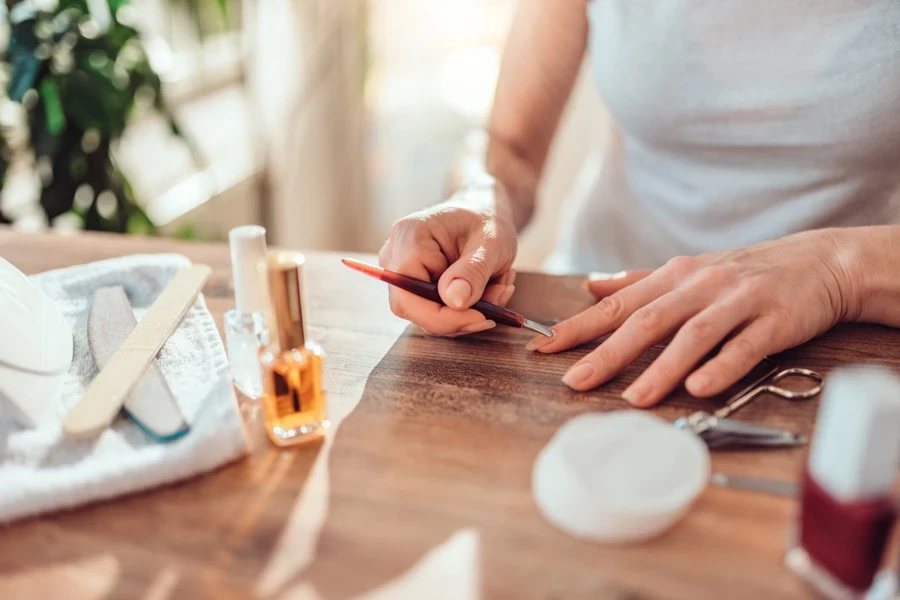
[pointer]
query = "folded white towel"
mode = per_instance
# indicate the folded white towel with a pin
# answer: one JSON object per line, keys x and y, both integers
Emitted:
{"x": 42, "y": 471}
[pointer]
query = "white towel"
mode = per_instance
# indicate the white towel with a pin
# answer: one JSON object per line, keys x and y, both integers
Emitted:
{"x": 42, "y": 471}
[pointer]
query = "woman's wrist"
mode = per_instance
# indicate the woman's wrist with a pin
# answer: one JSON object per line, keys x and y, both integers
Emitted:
{"x": 489, "y": 164}
{"x": 866, "y": 259}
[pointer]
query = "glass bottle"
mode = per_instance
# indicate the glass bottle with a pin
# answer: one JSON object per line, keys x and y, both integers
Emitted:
{"x": 245, "y": 336}
{"x": 294, "y": 406}
{"x": 245, "y": 326}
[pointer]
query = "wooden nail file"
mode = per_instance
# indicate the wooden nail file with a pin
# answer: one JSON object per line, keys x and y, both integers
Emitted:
{"x": 151, "y": 404}
{"x": 105, "y": 395}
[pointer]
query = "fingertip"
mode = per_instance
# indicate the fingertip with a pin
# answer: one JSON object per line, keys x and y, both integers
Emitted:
{"x": 579, "y": 376}
{"x": 437, "y": 318}
{"x": 606, "y": 284}
{"x": 641, "y": 394}
{"x": 548, "y": 345}
{"x": 597, "y": 276}
{"x": 479, "y": 327}
{"x": 602, "y": 288}
{"x": 508, "y": 278}
{"x": 457, "y": 294}
{"x": 535, "y": 343}
{"x": 700, "y": 385}
{"x": 395, "y": 303}
{"x": 540, "y": 341}
{"x": 507, "y": 295}
{"x": 494, "y": 293}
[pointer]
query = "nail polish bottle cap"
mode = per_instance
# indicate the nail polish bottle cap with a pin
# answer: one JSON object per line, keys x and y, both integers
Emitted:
{"x": 285, "y": 315}
{"x": 856, "y": 446}
{"x": 248, "y": 250}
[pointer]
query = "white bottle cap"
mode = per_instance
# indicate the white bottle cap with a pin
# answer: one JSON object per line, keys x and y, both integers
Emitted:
{"x": 856, "y": 447}
{"x": 248, "y": 249}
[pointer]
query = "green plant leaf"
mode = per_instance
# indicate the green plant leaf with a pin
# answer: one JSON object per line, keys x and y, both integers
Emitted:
{"x": 94, "y": 101}
{"x": 95, "y": 93}
{"x": 56, "y": 118}
{"x": 139, "y": 224}
{"x": 4, "y": 159}
{"x": 187, "y": 232}
{"x": 78, "y": 166}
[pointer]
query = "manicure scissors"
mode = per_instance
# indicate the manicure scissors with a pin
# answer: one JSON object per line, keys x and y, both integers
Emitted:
{"x": 719, "y": 430}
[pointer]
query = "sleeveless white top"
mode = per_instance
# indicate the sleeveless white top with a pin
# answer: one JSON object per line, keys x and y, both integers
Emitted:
{"x": 734, "y": 122}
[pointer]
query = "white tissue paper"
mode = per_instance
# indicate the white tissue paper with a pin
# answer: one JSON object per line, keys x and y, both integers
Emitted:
{"x": 43, "y": 471}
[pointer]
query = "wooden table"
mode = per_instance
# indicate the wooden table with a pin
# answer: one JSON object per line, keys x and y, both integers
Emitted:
{"x": 442, "y": 441}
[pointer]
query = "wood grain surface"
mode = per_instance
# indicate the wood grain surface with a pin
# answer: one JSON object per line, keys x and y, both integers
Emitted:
{"x": 443, "y": 439}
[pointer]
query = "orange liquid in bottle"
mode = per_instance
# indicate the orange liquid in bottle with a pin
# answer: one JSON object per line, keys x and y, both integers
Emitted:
{"x": 294, "y": 407}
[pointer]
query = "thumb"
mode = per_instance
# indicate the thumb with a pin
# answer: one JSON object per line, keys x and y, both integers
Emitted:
{"x": 463, "y": 283}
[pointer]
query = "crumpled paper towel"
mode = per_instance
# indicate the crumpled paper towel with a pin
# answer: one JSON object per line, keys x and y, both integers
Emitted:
{"x": 43, "y": 471}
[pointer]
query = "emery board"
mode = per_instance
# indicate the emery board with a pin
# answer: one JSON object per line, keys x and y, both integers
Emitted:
{"x": 151, "y": 404}
{"x": 105, "y": 395}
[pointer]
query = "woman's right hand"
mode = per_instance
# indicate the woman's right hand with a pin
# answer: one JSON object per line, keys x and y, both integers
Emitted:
{"x": 467, "y": 245}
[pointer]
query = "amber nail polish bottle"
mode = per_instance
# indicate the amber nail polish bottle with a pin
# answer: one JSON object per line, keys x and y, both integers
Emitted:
{"x": 294, "y": 407}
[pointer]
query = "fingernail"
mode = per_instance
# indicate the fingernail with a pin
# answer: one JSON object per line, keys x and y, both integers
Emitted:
{"x": 698, "y": 382}
{"x": 507, "y": 295}
{"x": 458, "y": 293}
{"x": 637, "y": 392}
{"x": 476, "y": 327}
{"x": 538, "y": 342}
{"x": 596, "y": 276}
{"x": 578, "y": 374}
{"x": 606, "y": 276}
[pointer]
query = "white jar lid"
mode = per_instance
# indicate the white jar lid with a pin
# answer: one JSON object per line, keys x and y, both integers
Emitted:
{"x": 619, "y": 476}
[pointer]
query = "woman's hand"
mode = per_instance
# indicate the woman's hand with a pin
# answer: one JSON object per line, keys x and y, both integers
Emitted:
{"x": 467, "y": 245}
{"x": 762, "y": 299}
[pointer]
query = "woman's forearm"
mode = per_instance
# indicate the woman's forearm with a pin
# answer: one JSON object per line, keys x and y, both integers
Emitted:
{"x": 869, "y": 261}
{"x": 485, "y": 163}
{"x": 543, "y": 53}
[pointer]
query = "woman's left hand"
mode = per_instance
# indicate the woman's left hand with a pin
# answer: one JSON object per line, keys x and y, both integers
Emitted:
{"x": 762, "y": 299}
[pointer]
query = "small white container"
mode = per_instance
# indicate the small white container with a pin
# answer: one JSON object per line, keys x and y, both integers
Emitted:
{"x": 35, "y": 348}
{"x": 615, "y": 477}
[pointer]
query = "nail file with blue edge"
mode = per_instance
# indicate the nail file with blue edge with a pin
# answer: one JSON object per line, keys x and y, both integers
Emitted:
{"x": 150, "y": 404}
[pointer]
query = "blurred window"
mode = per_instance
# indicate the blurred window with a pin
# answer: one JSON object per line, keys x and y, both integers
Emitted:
{"x": 196, "y": 44}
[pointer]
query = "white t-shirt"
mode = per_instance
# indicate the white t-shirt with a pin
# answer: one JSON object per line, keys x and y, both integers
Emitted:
{"x": 737, "y": 121}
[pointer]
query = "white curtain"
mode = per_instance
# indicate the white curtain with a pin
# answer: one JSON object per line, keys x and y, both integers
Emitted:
{"x": 306, "y": 68}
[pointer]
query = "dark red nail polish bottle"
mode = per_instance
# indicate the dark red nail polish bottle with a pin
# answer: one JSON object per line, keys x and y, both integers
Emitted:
{"x": 846, "y": 510}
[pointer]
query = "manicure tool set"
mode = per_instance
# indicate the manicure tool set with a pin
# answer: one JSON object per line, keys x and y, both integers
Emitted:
{"x": 845, "y": 507}
{"x": 844, "y": 494}
{"x": 123, "y": 361}
{"x": 719, "y": 431}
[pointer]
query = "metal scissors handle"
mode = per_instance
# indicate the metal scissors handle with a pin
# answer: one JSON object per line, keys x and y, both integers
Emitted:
{"x": 748, "y": 396}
